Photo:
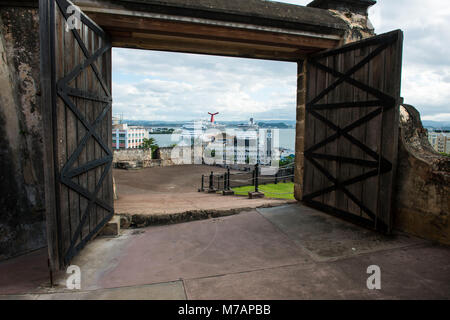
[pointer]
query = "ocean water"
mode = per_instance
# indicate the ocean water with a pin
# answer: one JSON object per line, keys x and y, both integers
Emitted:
{"x": 286, "y": 136}
{"x": 164, "y": 140}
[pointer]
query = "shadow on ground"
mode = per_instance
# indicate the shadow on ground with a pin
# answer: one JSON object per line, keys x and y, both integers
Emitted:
{"x": 288, "y": 252}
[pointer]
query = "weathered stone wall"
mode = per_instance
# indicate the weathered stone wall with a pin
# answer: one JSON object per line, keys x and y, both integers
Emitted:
{"x": 132, "y": 158}
{"x": 180, "y": 155}
{"x": 132, "y": 155}
{"x": 164, "y": 153}
{"x": 168, "y": 156}
{"x": 22, "y": 214}
{"x": 353, "y": 13}
{"x": 422, "y": 195}
{"x": 359, "y": 25}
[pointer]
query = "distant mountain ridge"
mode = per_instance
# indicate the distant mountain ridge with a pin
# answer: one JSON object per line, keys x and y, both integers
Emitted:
{"x": 435, "y": 124}
{"x": 438, "y": 126}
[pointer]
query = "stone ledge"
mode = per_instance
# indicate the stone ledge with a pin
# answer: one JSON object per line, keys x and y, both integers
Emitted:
{"x": 255, "y": 195}
{"x": 147, "y": 220}
{"x": 112, "y": 228}
{"x": 356, "y": 6}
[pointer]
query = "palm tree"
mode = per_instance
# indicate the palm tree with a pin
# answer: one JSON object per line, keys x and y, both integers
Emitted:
{"x": 149, "y": 143}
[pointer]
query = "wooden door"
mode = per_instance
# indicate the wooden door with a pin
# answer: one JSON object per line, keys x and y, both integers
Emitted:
{"x": 76, "y": 86}
{"x": 351, "y": 129}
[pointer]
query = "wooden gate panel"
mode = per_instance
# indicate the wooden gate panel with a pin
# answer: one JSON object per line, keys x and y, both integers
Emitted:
{"x": 358, "y": 133}
{"x": 392, "y": 87}
{"x": 310, "y": 122}
{"x": 331, "y": 148}
{"x": 371, "y": 139}
{"x": 82, "y": 137}
{"x": 351, "y": 132}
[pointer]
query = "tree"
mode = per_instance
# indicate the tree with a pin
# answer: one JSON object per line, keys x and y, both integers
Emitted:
{"x": 287, "y": 161}
{"x": 149, "y": 144}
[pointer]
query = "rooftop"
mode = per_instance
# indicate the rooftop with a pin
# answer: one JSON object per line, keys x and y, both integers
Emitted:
{"x": 260, "y": 12}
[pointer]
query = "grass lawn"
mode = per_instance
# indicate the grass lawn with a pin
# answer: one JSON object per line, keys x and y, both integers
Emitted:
{"x": 276, "y": 191}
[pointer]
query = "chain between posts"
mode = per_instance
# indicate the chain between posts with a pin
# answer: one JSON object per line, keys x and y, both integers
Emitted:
{"x": 224, "y": 180}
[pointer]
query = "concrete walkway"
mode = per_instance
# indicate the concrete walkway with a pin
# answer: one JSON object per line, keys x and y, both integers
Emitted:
{"x": 289, "y": 252}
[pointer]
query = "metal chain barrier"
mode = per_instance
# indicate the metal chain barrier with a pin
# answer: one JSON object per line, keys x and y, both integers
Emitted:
{"x": 222, "y": 182}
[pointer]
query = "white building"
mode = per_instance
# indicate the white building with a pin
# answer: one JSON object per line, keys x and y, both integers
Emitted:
{"x": 440, "y": 141}
{"x": 128, "y": 137}
{"x": 245, "y": 147}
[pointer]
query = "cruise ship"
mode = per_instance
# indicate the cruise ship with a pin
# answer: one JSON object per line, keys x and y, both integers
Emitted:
{"x": 197, "y": 129}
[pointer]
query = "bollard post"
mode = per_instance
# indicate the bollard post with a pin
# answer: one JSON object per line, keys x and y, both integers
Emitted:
{"x": 211, "y": 188}
{"x": 202, "y": 188}
{"x": 211, "y": 181}
{"x": 225, "y": 180}
{"x": 256, "y": 177}
{"x": 226, "y": 184}
{"x": 256, "y": 194}
{"x": 276, "y": 178}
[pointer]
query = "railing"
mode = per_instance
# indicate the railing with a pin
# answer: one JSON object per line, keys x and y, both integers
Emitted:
{"x": 227, "y": 181}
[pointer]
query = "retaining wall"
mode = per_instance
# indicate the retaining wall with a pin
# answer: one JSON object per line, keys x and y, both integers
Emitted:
{"x": 422, "y": 194}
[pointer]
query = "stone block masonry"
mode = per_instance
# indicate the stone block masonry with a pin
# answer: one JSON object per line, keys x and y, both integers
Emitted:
{"x": 354, "y": 13}
{"x": 422, "y": 195}
{"x": 22, "y": 212}
{"x": 163, "y": 157}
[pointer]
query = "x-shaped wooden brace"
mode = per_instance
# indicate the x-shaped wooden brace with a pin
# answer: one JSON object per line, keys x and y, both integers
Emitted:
{"x": 384, "y": 102}
{"x": 64, "y": 91}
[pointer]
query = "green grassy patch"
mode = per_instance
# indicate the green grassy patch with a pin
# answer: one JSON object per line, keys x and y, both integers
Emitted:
{"x": 275, "y": 191}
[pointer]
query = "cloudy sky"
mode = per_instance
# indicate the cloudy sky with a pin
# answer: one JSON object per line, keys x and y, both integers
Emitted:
{"x": 170, "y": 86}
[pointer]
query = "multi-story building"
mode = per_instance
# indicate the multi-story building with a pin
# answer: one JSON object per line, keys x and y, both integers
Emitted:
{"x": 128, "y": 137}
{"x": 440, "y": 141}
{"x": 246, "y": 147}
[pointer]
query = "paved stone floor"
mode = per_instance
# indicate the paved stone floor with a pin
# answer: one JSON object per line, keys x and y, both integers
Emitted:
{"x": 289, "y": 252}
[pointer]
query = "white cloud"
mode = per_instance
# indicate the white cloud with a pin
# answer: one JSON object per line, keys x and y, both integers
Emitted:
{"x": 425, "y": 86}
{"x": 438, "y": 117}
{"x": 184, "y": 87}
{"x": 426, "y": 53}
{"x": 156, "y": 85}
